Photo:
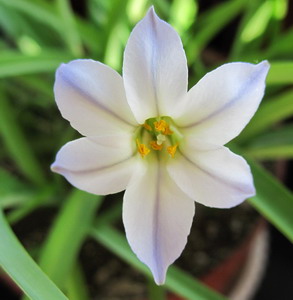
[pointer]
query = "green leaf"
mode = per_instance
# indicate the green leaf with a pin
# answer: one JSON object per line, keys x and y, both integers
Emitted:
{"x": 283, "y": 47}
{"x": 280, "y": 136}
{"x": 14, "y": 63}
{"x": 155, "y": 292}
{"x": 69, "y": 26}
{"x": 270, "y": 112}
{"x": 67, "y": 235}
{"x": 273, "y": 200}
{"x": 35, "y": 11}
{"x": 12, "y": 191}
{"x": 239, "y": 45}
{"x": 37, "y": 199}
{"x": 177, "y": 281}
{"x": 271, "y": 153}
{"x": 22, "y": 269}
{"x": 182, "y": 14}
{"x": 210, "y": 23}
{"x": 17, "y": 144}
{"x": 280, "y": 73}
{"x": 276, "y": 144}
{"x": 257, "y": 22}
{"x": 76, "y": 285}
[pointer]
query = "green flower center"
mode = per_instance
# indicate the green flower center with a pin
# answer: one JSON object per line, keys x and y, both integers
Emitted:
{"x": 157, "y": 134}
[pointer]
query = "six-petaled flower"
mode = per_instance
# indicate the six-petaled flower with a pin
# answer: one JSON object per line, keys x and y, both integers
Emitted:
{"x": 146, "y": 134}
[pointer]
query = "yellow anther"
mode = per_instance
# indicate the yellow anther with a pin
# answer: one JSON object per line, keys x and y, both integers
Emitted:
{"x": 163, "y": 126}
{"x": 155, "y": 145}
{"x": 172, "y": 150}
{"x": 167, "y": 131}
{"x": 147, "y": 126}
{"x": 160, "y": 125}
{"x": 142, "y": 149}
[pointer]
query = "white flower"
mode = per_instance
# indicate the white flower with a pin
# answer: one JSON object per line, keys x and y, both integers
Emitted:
{"x": 146, "y": 134}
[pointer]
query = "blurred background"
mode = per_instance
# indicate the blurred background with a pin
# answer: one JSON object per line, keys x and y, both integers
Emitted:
{"x": 36, "y": 36}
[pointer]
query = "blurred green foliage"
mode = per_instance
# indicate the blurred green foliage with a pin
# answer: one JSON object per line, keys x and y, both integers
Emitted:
{"x": 37, "y": 35}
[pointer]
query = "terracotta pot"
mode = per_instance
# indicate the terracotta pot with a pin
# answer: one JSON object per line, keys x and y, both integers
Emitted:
{"x": 239, "y": 275}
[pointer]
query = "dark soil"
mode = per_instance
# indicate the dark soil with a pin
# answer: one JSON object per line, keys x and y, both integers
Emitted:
{"x": 214, "y": 235}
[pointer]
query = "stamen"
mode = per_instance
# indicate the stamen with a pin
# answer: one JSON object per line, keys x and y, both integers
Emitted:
{"x": 168, "y": 131}
{"x": 147, "y": 126}
{"x": 172, "y": 150}
{"x": 156, "y": 146}
{"x": 160, "y": 125}
{"x": 163, "y": 126}
{"x": 142, "y": 149}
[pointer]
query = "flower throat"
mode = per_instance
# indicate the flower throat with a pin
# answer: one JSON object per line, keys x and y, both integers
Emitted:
{"x": 157, "y": 135}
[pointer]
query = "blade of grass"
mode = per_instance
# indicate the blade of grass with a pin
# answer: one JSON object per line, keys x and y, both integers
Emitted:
{"x": 67, "y": 235}
{"x": 273, "y": 200}
{"x": 22, "y": 269}
{"x": 69, "y": 26}
{"x": 14, "y": 63}
{"x": 280, "y": 136}
{"x": 182, "y": 14}
{"x": 238, "y": 43}
{"x": 257, "y": 22}
{"x": 12, "y": 191}
{"x": 276, "y": 144}
{"x": 35, "y": 11}
{"x": 283, "y": 47}
{"x": 45, "y": 13}
{"x": 177, "y": 281}
{"x": 210, "y": 23}
{"x": 280, "y": 73}
{"x": 17, "y": 144}
{"x": 155, "y": 292}
{"x": 270, "y": 112}
{"x": 270, "y": 153}
{"x": 39, "y": 198}
{"x": 76, "y": 285}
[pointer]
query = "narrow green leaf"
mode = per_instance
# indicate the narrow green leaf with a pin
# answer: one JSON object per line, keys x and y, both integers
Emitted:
{"x": 271, "y": 153}
{"x": 37, "y": 199}
{"x": 67, "y": 235}
{"x": 182, "y": 14}
{"x": 258, "y": 22}
{"x": 22, "y": 269}
{"x": 280, "y": 73}
{"x": 136, "y": 10}
{"x": 155, "y": 292}
{"x": 210, "y": 23}
{"x": 12, "y": 191}
{"x": 283, "y": 47}
{"x": 282, "y": 135}
{"x": 17, "y": 144}
{"x": 35, "y": 11}
{"x": 270, "y": 112}
{"x": 275, "y": 144}
{"x": 273, "y": 200}
{"x": 177, "y": 281}
{"x": 14, "y": 63}
{"x": 69, "y": 26}
{"x": 238, "y": 45}
{"x": 76, "y": 285}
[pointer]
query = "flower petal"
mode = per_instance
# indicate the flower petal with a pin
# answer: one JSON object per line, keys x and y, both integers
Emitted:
{"x": 215, "y": 177}
{"x": 154, "y": 69}
{"x": 157, "y": 217}
{"x": 221, "y": 104}
{"x": 99, "y": 165}
{"x": 91, "y": 96}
